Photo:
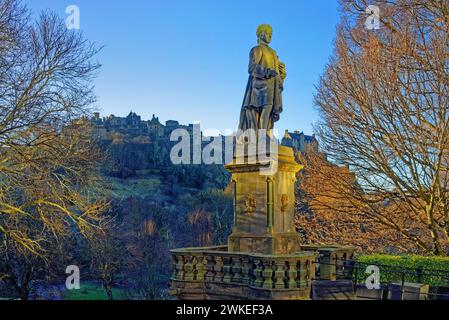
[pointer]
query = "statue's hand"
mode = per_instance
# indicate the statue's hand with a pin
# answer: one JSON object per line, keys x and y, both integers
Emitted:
{"x": 276, "y": 116}
{"x": 271, "y": 73}
{"x": 282, "y": 70}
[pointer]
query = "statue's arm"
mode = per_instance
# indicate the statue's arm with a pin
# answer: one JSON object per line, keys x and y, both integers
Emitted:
{"x": 255, "y": 69}
{"x": 282, "y": 70}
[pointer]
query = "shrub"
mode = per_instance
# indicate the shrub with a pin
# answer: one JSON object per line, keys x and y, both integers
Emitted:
{"x": 430, "y": 270}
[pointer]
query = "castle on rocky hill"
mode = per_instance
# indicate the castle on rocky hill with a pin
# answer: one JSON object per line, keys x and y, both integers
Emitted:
{"x": 134, "y": 144}
{"x": 133, "y": 127}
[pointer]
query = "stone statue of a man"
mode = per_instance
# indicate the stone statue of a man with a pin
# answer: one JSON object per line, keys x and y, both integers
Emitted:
{"x": 262, "y": 104}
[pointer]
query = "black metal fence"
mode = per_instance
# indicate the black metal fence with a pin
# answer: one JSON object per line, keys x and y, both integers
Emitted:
{"x": 395, "y": 283}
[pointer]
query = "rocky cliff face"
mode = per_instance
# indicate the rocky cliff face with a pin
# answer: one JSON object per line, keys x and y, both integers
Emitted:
{"x": 127, "y": 157}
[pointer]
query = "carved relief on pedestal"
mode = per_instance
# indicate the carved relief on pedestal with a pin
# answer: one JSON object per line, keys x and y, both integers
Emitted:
{"x": 250, "y": 204}
{"x": 284, "y": 202}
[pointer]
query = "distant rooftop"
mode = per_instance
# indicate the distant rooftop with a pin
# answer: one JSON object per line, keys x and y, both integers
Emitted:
{"x": 298, "y": 140}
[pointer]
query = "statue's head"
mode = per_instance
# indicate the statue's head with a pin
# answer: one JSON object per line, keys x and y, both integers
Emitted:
{"x": 264, "y": 33}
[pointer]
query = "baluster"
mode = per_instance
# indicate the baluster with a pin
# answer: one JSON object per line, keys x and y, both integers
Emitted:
{"x": 302, "y": 274}
{"x": 291, "y": 275}
{"x": 267, "y": 274}
{"x": 227, "y": 269}
{"x": 218, "y": 268}
{"x": 307, "y": 273}
{"x": 189, "y": 269}
{"x": 279, "y": 274}
{"x": 200, "y": 268}
{"x": 180, "y": 268}
{"x": 258, "y": 269}
{"x": 246, "y": 270}
{"x": 210, "y": 268}
{"x": 236, "y": 269}
{"x": 311, "y": 271}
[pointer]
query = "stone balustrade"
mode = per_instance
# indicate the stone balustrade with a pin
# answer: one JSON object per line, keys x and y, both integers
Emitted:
{"x": 241, "y": 275}
{"x": 334, "y": 262}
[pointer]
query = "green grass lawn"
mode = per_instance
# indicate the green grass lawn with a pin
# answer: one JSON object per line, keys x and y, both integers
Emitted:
{"x": 137, "y": 187}
{"x": 93, "y": 291}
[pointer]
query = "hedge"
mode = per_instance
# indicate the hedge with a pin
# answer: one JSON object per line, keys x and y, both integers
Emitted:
{"x": 435, "y": 270}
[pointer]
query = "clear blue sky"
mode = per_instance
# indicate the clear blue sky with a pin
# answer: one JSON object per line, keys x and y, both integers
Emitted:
{"x": 187, "y": 59}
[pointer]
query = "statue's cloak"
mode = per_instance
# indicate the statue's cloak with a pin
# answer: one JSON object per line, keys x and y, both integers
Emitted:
{"x": 263, "y": 89}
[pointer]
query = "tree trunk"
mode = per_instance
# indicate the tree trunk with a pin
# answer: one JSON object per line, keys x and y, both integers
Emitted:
{"x": 108, "y": 289}
{"x": 24, "y": 294}
{"x": 438, "y": 249}
{"x": 109, "y": 293}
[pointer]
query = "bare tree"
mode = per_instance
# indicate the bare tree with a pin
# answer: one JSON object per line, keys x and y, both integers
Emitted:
{"x": 48, "y": 165}
{"x": 329, "y": 212}
{"x": 110, "y": 256}
{"x": 384, "y": 102}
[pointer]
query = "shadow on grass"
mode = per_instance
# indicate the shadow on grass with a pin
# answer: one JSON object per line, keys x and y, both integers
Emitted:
{"x": 93, "y": 291}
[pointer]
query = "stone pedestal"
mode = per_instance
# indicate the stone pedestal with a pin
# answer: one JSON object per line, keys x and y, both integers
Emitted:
{"x": 263, "y": 258}
{"x": 264, "y": 203}
{"x": 408, "y": 291}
